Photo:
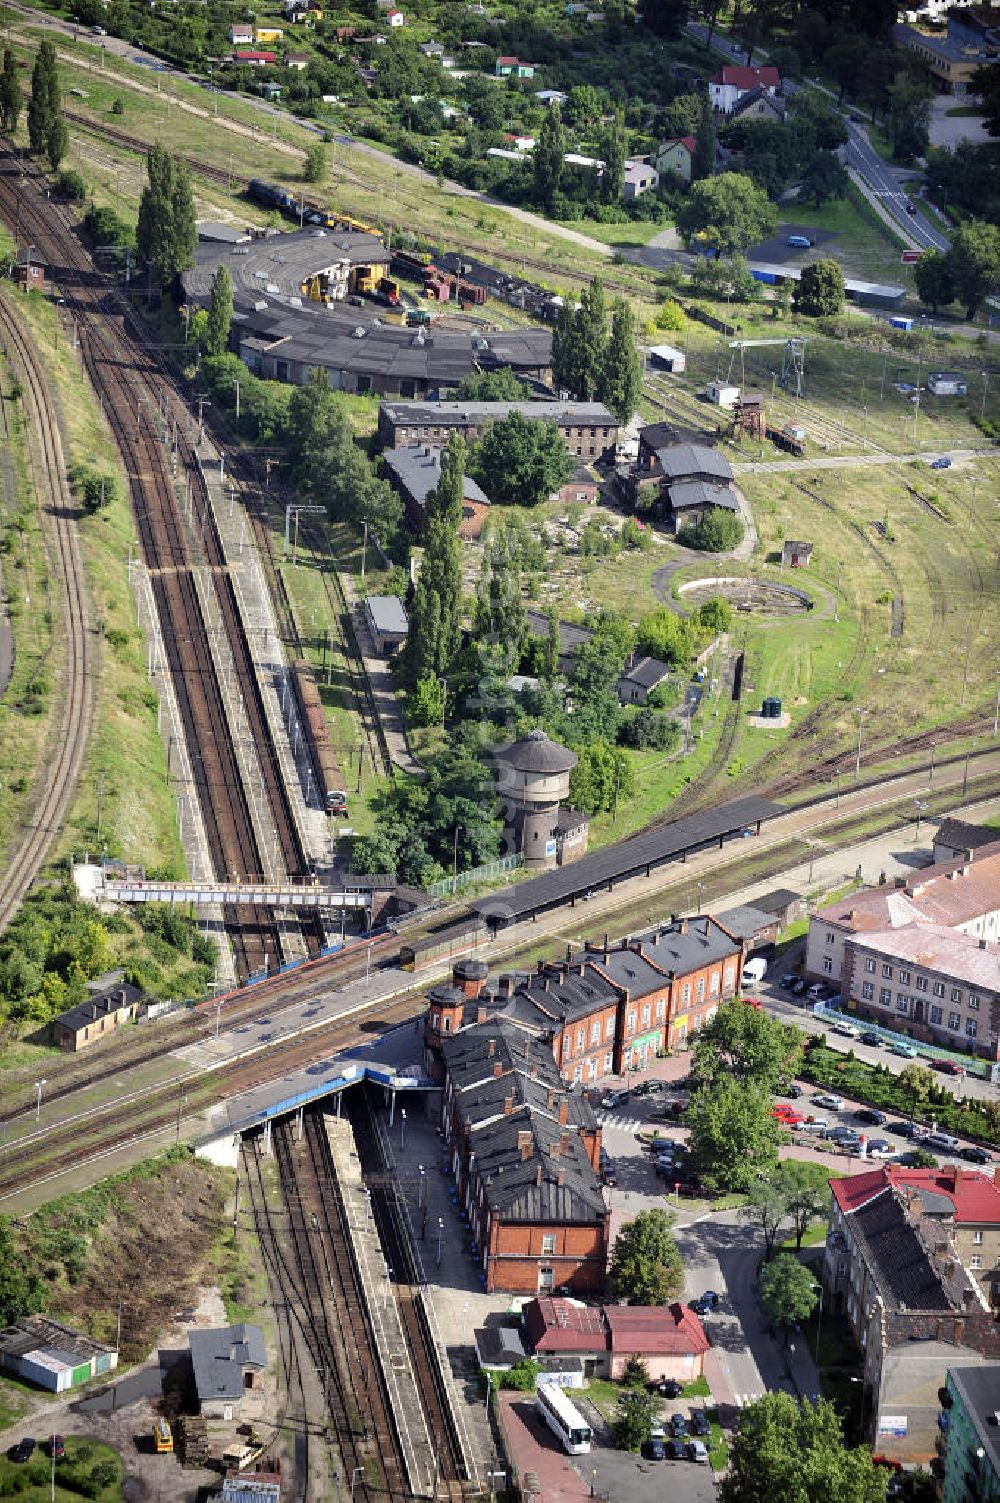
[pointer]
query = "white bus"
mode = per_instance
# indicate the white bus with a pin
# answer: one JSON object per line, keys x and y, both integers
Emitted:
{"x": 562, "y": 1417}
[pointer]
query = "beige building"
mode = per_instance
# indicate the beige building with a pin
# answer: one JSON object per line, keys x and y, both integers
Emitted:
{"x": 960, "y": 894}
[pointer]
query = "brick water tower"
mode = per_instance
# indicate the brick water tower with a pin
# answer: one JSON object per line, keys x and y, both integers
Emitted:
{"x": 533, "y": 780}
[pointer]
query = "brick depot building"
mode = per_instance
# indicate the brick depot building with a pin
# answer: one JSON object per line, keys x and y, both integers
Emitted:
{"x": 607, "y": 1009}
{"x": 525, "y": 1154}
{"x": 669, "y": 1339}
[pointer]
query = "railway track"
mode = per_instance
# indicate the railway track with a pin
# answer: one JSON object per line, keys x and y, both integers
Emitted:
{"x": 127, "y": 379}
{"x": 71, "y": 731}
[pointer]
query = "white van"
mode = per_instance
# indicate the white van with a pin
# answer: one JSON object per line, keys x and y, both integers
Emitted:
{"x": 754, "y": 971}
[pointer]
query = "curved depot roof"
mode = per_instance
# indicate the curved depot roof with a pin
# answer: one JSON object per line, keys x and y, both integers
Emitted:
{"x": 275, "y": 266}
{"x": 536, "y": 753}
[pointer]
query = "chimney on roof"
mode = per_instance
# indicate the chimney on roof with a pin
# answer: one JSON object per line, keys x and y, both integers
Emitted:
{"x": 497, "y": 1070}
{"x": 508, "y": 1103}
{"x": 538, "y": 1175}
{"x": 491, "y": 1048}
{"x": 561, "y": 1177}
{"x": 545, "y": 983}
{"x": 540, "y": 968}
{"x": 969, "y": 1300}
{"x": 563, "y": 1111}
{"x": 569, "y": 953}
{"x": 564, "y": 1142}
{"x": 550, "y": 1098}
{"x": 524, "y": 1143}
{"x": 505, "y": 985}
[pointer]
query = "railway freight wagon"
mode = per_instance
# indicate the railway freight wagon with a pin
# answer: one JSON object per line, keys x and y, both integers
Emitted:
{"x": 305, "y": 210}
{"x": 331, "y": 783}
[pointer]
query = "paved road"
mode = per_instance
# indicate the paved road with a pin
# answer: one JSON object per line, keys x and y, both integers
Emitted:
{"x": 857, "y": 461}
{"x": 879, "y": 177}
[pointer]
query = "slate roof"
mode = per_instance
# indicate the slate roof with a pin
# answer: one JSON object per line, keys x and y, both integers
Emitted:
{"x": 746, "y": 920}
{"x": 554, "y": 1183}
{"x": 691, "y": 493}
{"x": 219, "y": 1356}
{"x": 646, "y": 673}
{"x": 896, "y": 1257}
{"x": 688, "y": 945}
{"x": 777, "y": 899}
{"x": 564, "y": 994}
{"x": 101, "y": 1005}
{"x": 460, "y": 414}
{"x": 685, "y": 461}
{"x": 387, "y": 613}
{"x": 416, "y": 469}
{"x": 961, "y": 835}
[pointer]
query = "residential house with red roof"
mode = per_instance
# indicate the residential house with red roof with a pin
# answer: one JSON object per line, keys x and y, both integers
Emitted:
{"x": 912, "y": 1264}
{"x": 675, "y": 157}
{"x": 670, "y": 1339}
{"x": 727, "y": 87}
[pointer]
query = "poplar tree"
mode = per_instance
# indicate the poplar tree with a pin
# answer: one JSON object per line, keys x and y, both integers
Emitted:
{"x": 10, "y": 94}
{"x": 220, "y": 313}
{"x": 703, "y": 159}
{"x": 165, "y": 230}
{"x": 43, "y": 106}
{"x": 550, "y": 149}
{"x": 619, "y": 383}
{"x": 436, "y": 612}
{"x": 500, "y": 617}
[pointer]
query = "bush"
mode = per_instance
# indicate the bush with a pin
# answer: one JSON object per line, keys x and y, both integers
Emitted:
{"x": 522, "y": 1377}
{"x": 71, "y": 185}
{"x": 719, "y": 531}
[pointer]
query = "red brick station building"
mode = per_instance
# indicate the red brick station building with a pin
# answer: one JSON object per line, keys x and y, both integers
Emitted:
{"x": 522, "y": 1144}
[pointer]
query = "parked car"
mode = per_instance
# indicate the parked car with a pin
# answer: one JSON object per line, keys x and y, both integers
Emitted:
{"x": 829, "y": 1102}
{"x": 788, "y": 981}
{"x": 23, "y": 1451}
{"x": 815, "y": 1124}
{"x": 648, "y": 1088}
{"x": 872, "y": 1038}
{"x": 612, "y": 1099}
{"x": 846, "y": 1030}
{"x": 800, "y": 242}
{"x": 793, "y": 1091}
{"x": 697, "y": 1451}
{"x": 676, "y": 1450}
{"x": 668, "y": 1388}
{"x": 943, "y": 463}
{"x": 656, "y": 1430}
{"x": 905, "y": 1051}
{"x": 818, "y": 992}
{"x": 942, "y": 1142}
{"x": 678, "y": 1426}
{"x": 910, "y": 1130}
{"x": 800, "y": 987}
{"x": 700, "y": 1423}
{"x": 948, "y": 1066}
{"x": 879, "y": 1148}
{"x": 702, "y": 1306}
{"x": 870, "y": 1114}
{"x": 784, "y": 1112}
{"x": 57, "y": 1448}
{"x": 976, "y": 1155}
{"x": 655, "y": 1449}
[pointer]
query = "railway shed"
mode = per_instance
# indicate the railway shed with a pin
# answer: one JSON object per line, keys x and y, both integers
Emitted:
{"x": 630, "y": 858}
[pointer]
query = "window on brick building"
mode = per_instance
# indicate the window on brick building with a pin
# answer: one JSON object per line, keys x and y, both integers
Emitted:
{"x": 921, "y": 983}
{"x": 867, "y": 990}
{"x": 956, "y": 994}
{"x": 609, "y": 1028}
{"x": 447, "y": 1025}
{"x": 831, "y": 938}
{"x": 869, "y": 965}
{"x": 887, "y": 972}
{"x": 546, "y": 1280}
{"x": 607, "y": 1062}
{"x": 939, "y": 988}
{"x": 885, "y": 995}
{"x": 828, "y": 964}
{"x": 548, "y": 1243}
{"x": 729, "y": 975}
{"x": 591, "y": 1069}
{"x": 973, "y": 1002}
{"x": 661, "y": 1010}
{"x": 954, "y": 1020}
{"x": 630, "y": 1023}
{"x": 904, "y": 977}
{"x": 686, "y": 993}
{"x": 700, "y": 989}
{"x": 435, "y": 1020}
{"x": 578, "y": 1073}
{"x": 713, "y": 984}
{"x": 971, "y": 1028}
{"x": 595, "y": 1031}
{"x": 902, "y": 1002}
{"x": 975, "y": 1261}
{"x": 977, "y": 1238}
{"x": 936, "y": 1016}
{"x": 646, "y": 1015}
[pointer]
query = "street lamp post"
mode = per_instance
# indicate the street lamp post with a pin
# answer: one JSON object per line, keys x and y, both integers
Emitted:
{"x": 402, "y": 1127}
{"x": 819, "y": 1324}
{"x": 38, "y": 1102}
{"x": 356, "y": 1472}
{"x": 440, "y": 1239}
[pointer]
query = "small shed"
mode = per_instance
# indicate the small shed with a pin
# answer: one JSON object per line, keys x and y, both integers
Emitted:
{"x": 387, "y": 622}
{"x": 796, "y": 555}
{"x": 29, "y": 270}
{"x": 786, "y": 904}
{"x": 722, "y": 393}
{"x": 947, "y": 384}
{"x": 641, "y": 676}
{"x": 665, "y": 357}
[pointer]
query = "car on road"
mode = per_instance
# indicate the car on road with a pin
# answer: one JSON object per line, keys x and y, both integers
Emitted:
{"x": 870, "y": 1114}
{"x": 697, "y": 1451}
{"x": 676, "y": 1450}
{"x": 793, "y": 1091}
{"x": 948, "y": 1066}
{"x": 829, "y": 1102}
{"x": 678, "y": 1426}
{"x": 700, "y": 1425}
{"x": 788, "y": 981}
{"x": 609, "y": 1174}
{"x": 612, "y": 1099}
{"x": 23, "y": 1451}
{"x": 879, "y": 1148}
{"x": 648, "y": 1088}
{"x": 910, "y": 1130}
{"x": 818, "y": 992}
{"x": 800, "y": 242}
{"x": 703, "y": 1305}
{"x": 800, "y": 987}
{"x": 846, "y": 1030}
{"x": 976, "y": 1155}
{"x": 667, "y": 1388}
{"x": 655, "y": 1449}
{"x": 872, "y": 1038}
{"x": 942, "y": 1142}
{"x": 905, "y": 1051}
{"x": 57, "y": 1448}
{"x": 912, "y": 1158}
{"x": 943, "y": 463}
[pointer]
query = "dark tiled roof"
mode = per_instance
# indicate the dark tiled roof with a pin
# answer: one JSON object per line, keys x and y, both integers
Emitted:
{"x": 219, "y": 1357}
{"x": 554, "y": 1183}
{"x": 646, "y": 673}
{"x": 100, "y": 1005}
{"x": 687, "y": 493}
{"x": 781, "y": 897}
{"x": 746, "y": 921}
{"x": 896, "y": 1257}
{"x": 566, "y": 992}
{"x": 686, "y": 946}
{"x": 416, "y": 468}
{"x": 961, "y": 836}
{"x": 682, "y": 461}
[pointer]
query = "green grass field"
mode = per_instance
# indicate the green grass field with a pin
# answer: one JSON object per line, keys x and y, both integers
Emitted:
{"x": 91, "y": 1469}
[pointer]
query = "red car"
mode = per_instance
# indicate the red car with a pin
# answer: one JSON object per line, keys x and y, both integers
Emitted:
{"x": 787, "y": 1114}
{"x": 752, "y": 1002}
{"x": 949, "y": 1067}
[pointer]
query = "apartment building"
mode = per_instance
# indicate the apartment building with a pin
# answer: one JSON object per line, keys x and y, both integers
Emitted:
{"x": 969, "y": 1435}
{"x": 588, "y": 429}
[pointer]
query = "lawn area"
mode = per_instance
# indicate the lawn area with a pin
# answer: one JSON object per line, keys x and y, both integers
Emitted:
{"x": 861, "y": 247}
{"x": 629, "y": 235}
{"x": 91, "y": 1470}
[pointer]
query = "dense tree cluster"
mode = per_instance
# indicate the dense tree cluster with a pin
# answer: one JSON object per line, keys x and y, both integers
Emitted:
{"x": 166, "y": 234}
{"x": 819, "y": 292}
{"x": 593, "y": 363}
{"x": 794, "y": 1450}
{"x": 10, "y": 94}
{"x": 521, "y": 460}
{"x": 727, "y": 213}
{"x": 968, "y": 272}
